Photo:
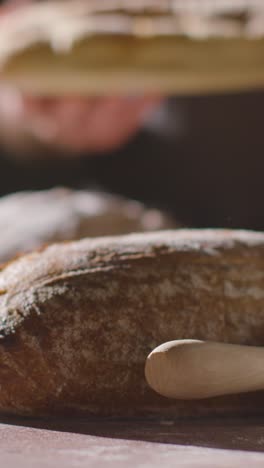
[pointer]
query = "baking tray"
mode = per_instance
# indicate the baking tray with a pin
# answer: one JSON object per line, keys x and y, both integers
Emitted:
{"x": 170, "y": 47}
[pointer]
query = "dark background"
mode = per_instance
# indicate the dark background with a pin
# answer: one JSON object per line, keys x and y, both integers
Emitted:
{"x": 208, "y": 170}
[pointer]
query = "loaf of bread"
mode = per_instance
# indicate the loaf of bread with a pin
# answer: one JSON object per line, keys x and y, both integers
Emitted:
{"x": 30, "y": 219}
{"x": 79, "y": 319}
{"x": 127, "y": 46}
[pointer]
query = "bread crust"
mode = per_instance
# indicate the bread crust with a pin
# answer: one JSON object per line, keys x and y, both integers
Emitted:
{"x": 79, "y": 319}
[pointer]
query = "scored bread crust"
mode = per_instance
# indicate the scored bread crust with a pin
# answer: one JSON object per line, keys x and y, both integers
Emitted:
{"x": 96, "y": 47}
{"x": 79, "y": 319}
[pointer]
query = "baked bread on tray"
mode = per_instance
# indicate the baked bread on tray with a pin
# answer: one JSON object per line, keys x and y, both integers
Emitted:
{"x": 177, "y": 46}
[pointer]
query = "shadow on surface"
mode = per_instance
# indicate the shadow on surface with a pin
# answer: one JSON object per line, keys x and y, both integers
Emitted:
{"x": 222, "y": 433}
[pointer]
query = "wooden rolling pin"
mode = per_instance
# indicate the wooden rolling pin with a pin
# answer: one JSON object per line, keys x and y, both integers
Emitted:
{"x": 190, "y": 369}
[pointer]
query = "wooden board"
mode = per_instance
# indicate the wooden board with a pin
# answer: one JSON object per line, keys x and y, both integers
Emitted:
{"x": 200, "y": 444}
{"x": 186, "y": 47}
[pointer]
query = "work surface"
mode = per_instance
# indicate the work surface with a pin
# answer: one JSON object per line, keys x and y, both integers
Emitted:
{"x": 200, "y": 444}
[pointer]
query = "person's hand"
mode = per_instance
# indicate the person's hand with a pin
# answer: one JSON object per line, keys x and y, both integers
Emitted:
{"x": 80, "y": 124}
{"x": 95, "y": 124}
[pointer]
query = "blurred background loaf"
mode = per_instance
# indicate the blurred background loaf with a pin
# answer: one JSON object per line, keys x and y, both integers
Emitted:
{"x": 30, "y": 219}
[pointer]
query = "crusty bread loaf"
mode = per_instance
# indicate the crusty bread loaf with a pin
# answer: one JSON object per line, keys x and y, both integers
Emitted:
{"x": 30, "y": 219}
{"x": 79, "y": 319}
